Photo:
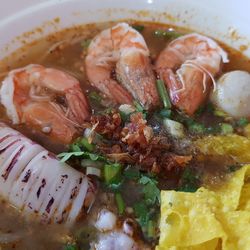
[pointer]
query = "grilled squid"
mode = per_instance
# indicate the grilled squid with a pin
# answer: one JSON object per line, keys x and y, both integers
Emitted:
{"x": 37, "y": 183}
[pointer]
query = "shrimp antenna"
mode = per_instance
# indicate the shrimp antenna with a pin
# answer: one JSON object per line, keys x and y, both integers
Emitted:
{"x": 65, "y": 117}
{"x": 203, "y": 70}
{"x": 178, "y": 73}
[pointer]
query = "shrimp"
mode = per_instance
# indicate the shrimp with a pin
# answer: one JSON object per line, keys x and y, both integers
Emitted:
{"x": 45, "y": 99}
{"x": 38, "y": 184}
{"x": 121, "y": 49}
{"x": 188, "y": 65}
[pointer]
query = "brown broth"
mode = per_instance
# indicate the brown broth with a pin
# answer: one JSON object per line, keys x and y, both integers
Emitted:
{"x": 63, "y": 50}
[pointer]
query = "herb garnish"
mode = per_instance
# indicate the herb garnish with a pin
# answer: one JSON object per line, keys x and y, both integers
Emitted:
{"x": 168, "y": 34}
{"x": 138, "y": 27}
{"x": 147, "y": 208}
{"x": 85, "y": 43}
{"x": 93, "y": 95}
{"x": 140, "y": 109}
{"x": 70, "y": 247}
{"x": 65, "y": 156}
{"x": 242, "y": 122}
{"x": 189, "y": 181}
{"x": 163, "y": 94}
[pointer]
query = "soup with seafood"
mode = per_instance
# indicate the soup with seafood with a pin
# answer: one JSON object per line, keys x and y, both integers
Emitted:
{"x": 107, "y": 129}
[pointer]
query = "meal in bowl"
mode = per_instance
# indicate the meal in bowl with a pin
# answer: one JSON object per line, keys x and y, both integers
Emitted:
{"x": 125, "y": 136}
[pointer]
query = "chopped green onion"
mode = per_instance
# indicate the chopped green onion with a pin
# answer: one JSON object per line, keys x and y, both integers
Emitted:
{"x": 138, "y": 106}
{"x": 140, "y": 109}
{"x": 163, "y": 94}
{"x": 226, "y": 128}
{"x": 139, "y": 28}
{"x": 169, "y": 34}
{"x": 84, "y": 142}
{"x": 242, "y": 122}
{"x": 120, "y": 203}
{"x": 220, "y": 113}
{"x": 85, "y": 43}
{"x": 151, "y": 229}
{"x": 95, "y": 96}
{"x": 112, "y": 173}
{"x": 165, "y": 113}
{"x": 174, "y": 128}
{"x": 75, "y": 148}
{"x": 126, "y": 110}
{"x": 196, "y": 128}
{"x": 125, "y": 117}
{"x": 93, "y": 171}
{"x": 213, "y": 130}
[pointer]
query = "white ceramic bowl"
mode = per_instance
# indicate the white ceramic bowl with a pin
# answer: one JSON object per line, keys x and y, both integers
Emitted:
{"x": 226, "y": 20}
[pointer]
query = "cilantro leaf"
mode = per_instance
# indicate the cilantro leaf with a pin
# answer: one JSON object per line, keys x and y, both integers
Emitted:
{"x": 75, "y": 147}
{"x": 189, "y": 181}
{"x": 70, "y": 247}
{"x": 95, "y": 157}
{"x": 131, "y": 174}
{"x": 142, "y": 213}
{"x": 95, "y": 96}
{"x": 150, "y": 190}
{"x": 242, "y": 122}
{"x": 144, "y": 180}
{"x": 151, "y": 193}
{"x": 67, "y": 155}
{"x": 147, "y": 179}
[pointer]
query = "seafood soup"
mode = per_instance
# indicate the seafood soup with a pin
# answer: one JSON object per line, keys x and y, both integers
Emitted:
{"x": 113, "y": 133}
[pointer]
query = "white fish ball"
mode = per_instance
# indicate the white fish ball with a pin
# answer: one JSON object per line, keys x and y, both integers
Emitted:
{"x": 232, "y": 94}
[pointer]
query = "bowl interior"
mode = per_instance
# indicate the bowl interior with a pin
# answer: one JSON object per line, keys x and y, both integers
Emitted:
{"x": 225, "y": 20}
